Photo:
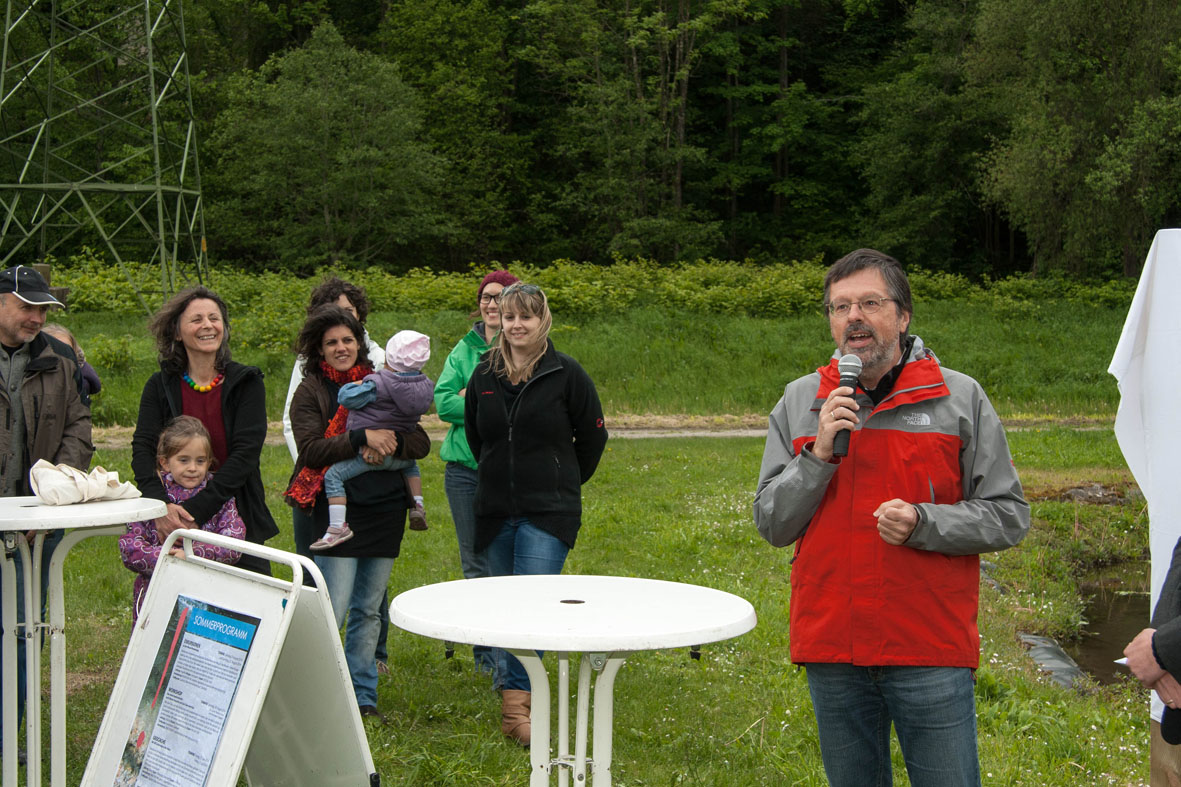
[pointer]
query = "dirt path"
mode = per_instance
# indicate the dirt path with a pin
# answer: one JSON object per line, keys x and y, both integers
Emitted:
{"x": 638, "y": 426}
{"x": 623, "y": 426}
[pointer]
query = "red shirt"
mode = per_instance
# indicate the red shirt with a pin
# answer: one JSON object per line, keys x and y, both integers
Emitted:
{"x": 206, "y": 408}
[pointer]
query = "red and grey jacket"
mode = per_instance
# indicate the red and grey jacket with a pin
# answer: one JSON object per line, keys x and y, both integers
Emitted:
{"x": 934, "y": 441}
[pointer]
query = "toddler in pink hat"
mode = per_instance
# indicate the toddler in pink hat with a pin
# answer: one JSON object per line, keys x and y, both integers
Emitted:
{"x": 394, "y": 397}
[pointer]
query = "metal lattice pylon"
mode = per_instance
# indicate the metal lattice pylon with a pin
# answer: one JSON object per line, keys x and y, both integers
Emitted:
{"x": 97, "y": 136}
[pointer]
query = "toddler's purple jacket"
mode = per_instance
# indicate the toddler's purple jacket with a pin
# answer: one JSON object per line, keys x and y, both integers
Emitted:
{"x": 398, "y": 400}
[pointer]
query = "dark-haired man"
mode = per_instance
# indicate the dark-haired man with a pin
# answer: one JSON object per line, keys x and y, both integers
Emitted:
{"x": 42, "y": 411}
{"x": 886, "y": 573}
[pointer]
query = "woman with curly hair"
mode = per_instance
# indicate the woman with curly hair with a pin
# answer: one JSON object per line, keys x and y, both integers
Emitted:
{"x": 358, "y": 570}
{"x": 198, "y": 378}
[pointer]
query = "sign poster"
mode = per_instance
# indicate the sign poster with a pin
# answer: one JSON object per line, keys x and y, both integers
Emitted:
{"x": 190, "y": 689}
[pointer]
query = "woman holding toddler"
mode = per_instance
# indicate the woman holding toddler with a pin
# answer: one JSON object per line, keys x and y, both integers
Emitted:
{"x": 357, "y": 571}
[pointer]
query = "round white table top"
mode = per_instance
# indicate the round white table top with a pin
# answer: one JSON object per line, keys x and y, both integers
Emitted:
{"x": 29, "y": 513}
{"x": 568, "y": 612}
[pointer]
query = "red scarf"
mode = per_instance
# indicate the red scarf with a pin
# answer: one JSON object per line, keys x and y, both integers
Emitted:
{"x": 309, "y": 481}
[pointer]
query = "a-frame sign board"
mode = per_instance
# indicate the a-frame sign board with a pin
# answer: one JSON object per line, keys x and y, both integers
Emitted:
{"x": 228, "y": 671}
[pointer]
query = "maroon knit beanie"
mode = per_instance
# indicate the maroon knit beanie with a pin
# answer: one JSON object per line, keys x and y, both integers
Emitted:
{"x": 503, "y": 278}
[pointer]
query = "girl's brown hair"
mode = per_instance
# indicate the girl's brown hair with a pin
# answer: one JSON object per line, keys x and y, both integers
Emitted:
{"x": 177, "y": 432}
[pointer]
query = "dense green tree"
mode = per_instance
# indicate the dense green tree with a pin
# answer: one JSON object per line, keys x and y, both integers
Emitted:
{"x": 621, "y": 73}
{"x": 318, "y": 158}
{"x": 924, "y": 131}
{"x": 457, "y": 54}
{"x": 596, "y": 174}
{"x": 1138, "y": 176}
{"x": 228, "y": 35}
{"x": 785, "y": 83}
{"x": 977, "y": 136}
{"x": 1071, "y": 75}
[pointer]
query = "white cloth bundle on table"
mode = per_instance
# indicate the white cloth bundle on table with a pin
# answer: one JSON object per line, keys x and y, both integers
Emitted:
{"x": 60, "y": 485}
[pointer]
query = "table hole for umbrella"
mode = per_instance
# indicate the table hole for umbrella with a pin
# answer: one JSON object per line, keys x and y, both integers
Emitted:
{"x": 571, "y": 601}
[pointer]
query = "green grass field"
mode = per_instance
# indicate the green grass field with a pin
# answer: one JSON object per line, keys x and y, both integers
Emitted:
{"x": 679, "y": 509}
{"x": 653, "y": 361}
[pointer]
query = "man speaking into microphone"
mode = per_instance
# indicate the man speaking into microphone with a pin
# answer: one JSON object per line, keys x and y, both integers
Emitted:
{"x": 888, "y": 532}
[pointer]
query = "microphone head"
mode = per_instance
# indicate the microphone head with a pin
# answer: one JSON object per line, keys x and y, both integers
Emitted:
{"x": 849, "y": 366}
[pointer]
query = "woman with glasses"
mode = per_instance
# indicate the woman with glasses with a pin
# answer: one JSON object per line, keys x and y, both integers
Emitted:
{"x": 535, "y": 427}
{"x": 459, "y": 475}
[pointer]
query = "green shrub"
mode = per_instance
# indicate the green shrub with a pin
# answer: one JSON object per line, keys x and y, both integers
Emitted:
{"x": 268, "y": 306}
{"x": 939, "y": 285}
{"x": 110, "y": 353}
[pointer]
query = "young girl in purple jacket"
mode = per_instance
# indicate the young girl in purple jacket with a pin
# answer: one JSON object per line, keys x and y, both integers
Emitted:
{"x": 184, "y": 455}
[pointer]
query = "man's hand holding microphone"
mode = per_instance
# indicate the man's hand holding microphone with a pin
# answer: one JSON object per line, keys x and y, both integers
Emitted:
{"x": 897, "y": 519}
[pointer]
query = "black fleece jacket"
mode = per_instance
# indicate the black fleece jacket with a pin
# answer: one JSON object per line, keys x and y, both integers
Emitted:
{"x": 533, "y": 459}
{"x": 244, "y": 413}
{"x": 1166, "y": 618}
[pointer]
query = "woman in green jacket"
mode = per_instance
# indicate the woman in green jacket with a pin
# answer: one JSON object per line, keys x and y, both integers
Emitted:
{"x": 459, "y": 477}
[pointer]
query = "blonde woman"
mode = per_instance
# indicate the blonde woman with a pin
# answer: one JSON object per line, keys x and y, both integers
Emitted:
{"x": 529, "y": 487}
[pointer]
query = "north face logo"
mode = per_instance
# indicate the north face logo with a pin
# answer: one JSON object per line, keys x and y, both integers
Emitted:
{"x": 917, "y": 419}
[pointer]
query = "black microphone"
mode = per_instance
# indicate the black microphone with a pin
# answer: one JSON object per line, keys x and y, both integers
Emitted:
{"x": 850, "y": 369}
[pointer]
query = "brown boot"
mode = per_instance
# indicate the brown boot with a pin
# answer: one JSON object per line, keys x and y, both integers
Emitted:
{"x": 514, "y": 715}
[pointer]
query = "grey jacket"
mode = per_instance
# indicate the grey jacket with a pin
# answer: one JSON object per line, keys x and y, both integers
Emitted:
{"x": 992, "y": 514}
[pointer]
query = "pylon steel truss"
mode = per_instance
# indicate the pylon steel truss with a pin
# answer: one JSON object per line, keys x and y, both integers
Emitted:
{"x": 97, "y": 135}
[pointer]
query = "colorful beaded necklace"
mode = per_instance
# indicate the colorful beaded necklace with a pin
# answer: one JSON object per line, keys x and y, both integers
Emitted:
{"x": 204, "y": 388}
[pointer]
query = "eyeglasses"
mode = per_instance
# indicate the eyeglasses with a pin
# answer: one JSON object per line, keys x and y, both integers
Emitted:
{"x": 487, "y": 298}
{"x": 867, "y": 306}
{"x": 521, "y": 287}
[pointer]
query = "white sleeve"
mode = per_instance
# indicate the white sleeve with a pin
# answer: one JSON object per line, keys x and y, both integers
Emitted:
{"x": 288, "y": 434}
{"x": 376, "y": 353}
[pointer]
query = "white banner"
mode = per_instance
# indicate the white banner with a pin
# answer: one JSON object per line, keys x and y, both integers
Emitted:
{"x": 1148, "y": 424}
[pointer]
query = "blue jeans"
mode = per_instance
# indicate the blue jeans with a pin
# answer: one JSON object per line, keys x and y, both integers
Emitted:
{"x": 521, "y": 548}
{"x": 345, "y": 469}
{"x": 357, "y": 587}
{"x": 305, "y": 530}
{"x": 52, "y": 539}
{"x": 933, "y": 710}
{"x": 459, "y": 481}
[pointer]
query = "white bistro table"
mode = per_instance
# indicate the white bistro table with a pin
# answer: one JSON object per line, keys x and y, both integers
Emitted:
{"x": 604, "y": 618}
{"x": 17, "y": 516}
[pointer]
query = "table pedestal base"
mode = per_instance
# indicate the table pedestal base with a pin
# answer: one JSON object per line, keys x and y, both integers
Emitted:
{"x": 29, "y": 637}
{"x": 541, "y": 762}
{"x": 16, "y": 548}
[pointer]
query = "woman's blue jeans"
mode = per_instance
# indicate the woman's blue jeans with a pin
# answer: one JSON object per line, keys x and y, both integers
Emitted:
{"x": 306, "y": 531}
{"x": 933, "y": 710}
{"x": 357, "y": 586}
{"x": 521, "y": 548}
{"x": 459, "y": 481}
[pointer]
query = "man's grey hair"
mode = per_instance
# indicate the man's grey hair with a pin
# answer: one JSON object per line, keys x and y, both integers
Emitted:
{"x": 897, "y": 285}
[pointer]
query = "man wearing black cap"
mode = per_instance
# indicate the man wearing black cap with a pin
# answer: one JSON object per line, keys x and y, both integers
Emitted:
{"x": 42, "y": 412}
